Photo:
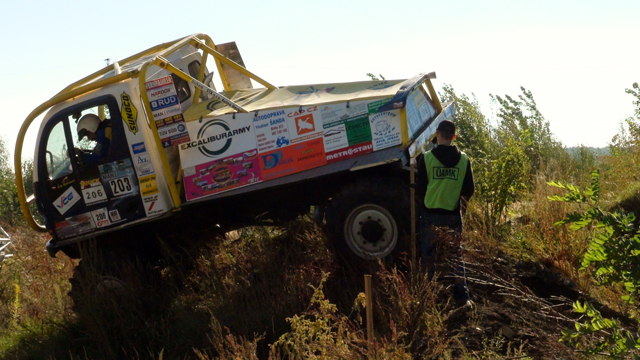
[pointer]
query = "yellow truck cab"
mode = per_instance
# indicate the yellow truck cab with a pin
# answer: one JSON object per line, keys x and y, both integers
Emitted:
{"x": 165, "y": 145}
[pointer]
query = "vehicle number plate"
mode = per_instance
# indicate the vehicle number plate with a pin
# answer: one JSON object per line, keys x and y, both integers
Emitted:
{"x": 121, "y": 186}
{"x": 94, "y": 194}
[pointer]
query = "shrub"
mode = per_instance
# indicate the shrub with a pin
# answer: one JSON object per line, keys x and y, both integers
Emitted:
{"x": 612, "y": 258}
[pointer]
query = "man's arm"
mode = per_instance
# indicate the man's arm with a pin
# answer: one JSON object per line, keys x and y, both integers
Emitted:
{"x": 468, "y": 187}
{"x": 99, "y": 151}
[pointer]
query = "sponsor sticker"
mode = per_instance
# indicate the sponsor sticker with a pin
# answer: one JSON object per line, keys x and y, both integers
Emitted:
{"x": 335, "y": 138}
{"x": 374, "y": 106}
{"x": 164, "y": 113}
{"x": 65, "y": 201}
{"x": 272, "y": 130}
{"x": 129, "y": 113}
{"x": 293, "y": 159}
{"x": 305, "y": 124}
{"x": 143, "y": 165}
{"x": 345, "y": 126}
{"x": 151, "y": 205}
{"x": 358, "y": 130}
{"x": 163, "y": 103}
{"x": 162, "y": 92}
{"x": 75, "y": 225}
{"x": 304, "y": 127}
{"x": 350, "y": 152}
{"x": 163, "y": 81}
{"x": 114, "y": 215}
{"x": 67, "y": 180}
{"x": 385, "y": 129}
{"x": 217, "y": 138}
{"x": 148, "y": 185}
{"x": 222, "y": 174}
{"x": 101, "y": 218}
{"x": 167, "y": 112}
{"x": 172, "y": 130}
{"x": 334, "y": 114}
{"x": 303, "y": 110}
{"x": 138, "y": 148}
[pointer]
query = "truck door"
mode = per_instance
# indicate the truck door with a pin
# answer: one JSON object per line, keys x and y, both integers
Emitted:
{"x": 78, "y": 192}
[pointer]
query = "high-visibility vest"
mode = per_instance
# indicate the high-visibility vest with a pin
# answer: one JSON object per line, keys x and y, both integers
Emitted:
{"x": 445, "y": 183}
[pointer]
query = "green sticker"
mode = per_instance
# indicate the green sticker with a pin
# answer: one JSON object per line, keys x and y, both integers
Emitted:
{"x": 358, "y": 130}
{"x": 374, "y": 106}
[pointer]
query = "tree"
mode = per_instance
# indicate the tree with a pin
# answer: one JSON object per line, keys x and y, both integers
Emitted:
{"x": 519, "y": 116}
{"x": 474, "y": 133}
{"x": 10, "y": 210}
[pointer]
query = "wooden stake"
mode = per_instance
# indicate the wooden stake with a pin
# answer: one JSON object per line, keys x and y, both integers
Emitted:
{"x": 369, "y": 306}
{"x": 412, "y": 241}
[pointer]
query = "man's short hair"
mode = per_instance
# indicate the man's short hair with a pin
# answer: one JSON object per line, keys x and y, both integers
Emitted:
{"x": 446, "y": 135}
{"x": 447, "y": 129}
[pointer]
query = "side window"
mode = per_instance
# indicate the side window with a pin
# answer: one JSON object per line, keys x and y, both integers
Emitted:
{"x": 91, "y": 134}
{"x": 57, "y": 156}
{"x": 86, "y": 144}
{"x": 182, "y": 88}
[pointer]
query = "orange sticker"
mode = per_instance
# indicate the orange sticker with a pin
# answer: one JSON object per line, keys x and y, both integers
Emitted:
{"x": 292, "y": 159}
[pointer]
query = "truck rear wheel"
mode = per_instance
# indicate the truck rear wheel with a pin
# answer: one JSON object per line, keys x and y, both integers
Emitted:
{"x": 369, "y": 219}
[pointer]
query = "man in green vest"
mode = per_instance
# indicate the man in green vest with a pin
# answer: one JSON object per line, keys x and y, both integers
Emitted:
{"x": 445, "y": 182}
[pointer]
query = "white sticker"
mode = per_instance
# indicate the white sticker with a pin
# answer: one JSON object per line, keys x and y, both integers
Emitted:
{"x": 151, "y": 205}
{"x": 385, "y": 129}
{"x": 114, "y": 215}
{"x": 335, "y": 138}
{"x": 121, "y": 186}
{"x": 143, "y": 164}
{"x": 100, "y": 217}
{"x": 94, "y": 194}
{"x": 171, "y": 130}
{"x": 271, "y": 130}
{"x": 218, "y": 138}
{"x": 161, "y": 92}
{"x": 65, "y": 201}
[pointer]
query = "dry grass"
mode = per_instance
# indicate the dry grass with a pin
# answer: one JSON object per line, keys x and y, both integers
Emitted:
{"x": 280, "y": 293}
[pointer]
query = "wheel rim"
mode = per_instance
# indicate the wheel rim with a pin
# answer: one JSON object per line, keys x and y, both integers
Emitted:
{"x": 371, "y": 231}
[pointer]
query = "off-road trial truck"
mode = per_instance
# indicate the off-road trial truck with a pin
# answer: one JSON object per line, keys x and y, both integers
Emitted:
{"x": 180, "y": 150}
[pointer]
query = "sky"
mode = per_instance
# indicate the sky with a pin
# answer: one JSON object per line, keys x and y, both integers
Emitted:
{"x": 576, "y": 57}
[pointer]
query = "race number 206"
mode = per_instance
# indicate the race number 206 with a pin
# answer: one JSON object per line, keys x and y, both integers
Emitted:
{"x": 94, "y": 195}
{"x": 121, "y": 186}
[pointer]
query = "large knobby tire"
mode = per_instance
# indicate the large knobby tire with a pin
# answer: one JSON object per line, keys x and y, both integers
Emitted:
{"x": 111, "y": 285}
{"x": 369, "y": 219}
{"x": 91, "y": 283}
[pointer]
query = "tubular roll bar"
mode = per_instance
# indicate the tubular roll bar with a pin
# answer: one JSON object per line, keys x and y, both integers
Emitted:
{"x": 81, "y": 87}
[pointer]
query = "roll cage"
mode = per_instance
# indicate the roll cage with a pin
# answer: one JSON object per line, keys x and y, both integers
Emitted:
{"x": 136, "y": 66}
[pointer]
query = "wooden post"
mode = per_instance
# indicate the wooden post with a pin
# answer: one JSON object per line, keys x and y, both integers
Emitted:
{"x": 369, "y": 306}
{"x": 412, "y": 241}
